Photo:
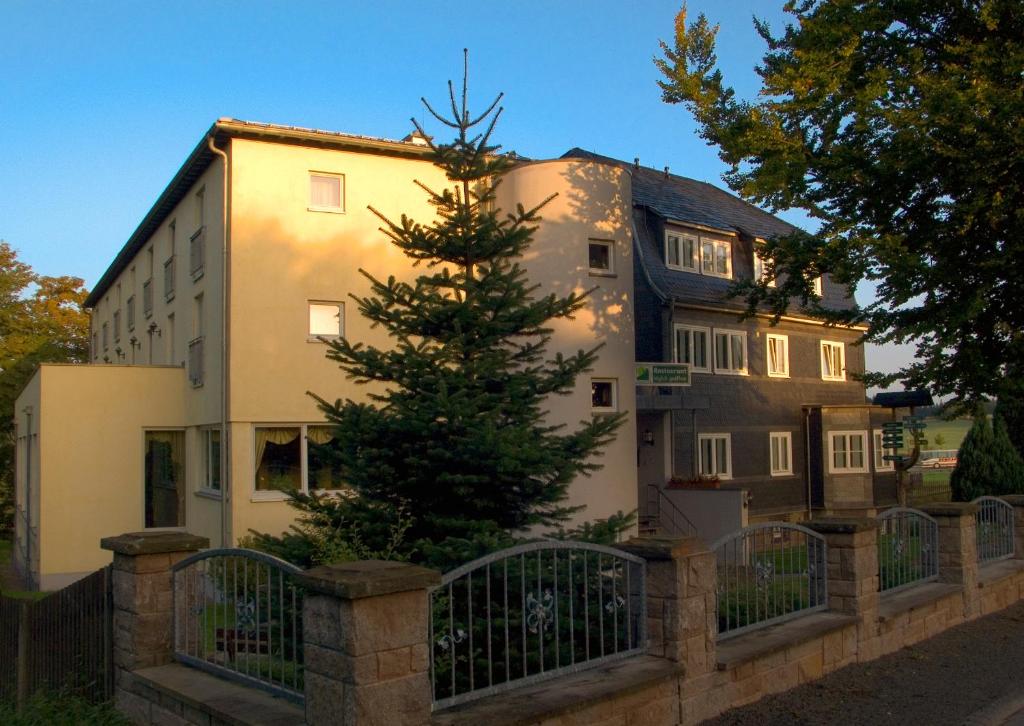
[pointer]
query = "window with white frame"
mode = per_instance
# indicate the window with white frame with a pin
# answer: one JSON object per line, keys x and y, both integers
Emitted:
{"x": 117, "y": 326}
{"x": 326, "y": 320}
{"x": 681, "y": 251}
{"x": 715, "y": 454}
{"x": 781, "y": 443}
{"x": 129, "y": 310}
{"x": 833, "y": 361}
{"x": 106, "y": 336}
{"x": 847, "y": 452}
{"x": 759, "y": 267}
{"x": 298, "y": 457}
{"x": 211, "y": 460}
{"x": 816, "y": 284}
{"x": 164, "y": 478}
{"x": 691, "y": 346}
{"x": 601, "y": 256}
{"x": 326, "y": 192}
{"x": 716, "y": 257}
{"x": 603, "y": 396}
{"x": 778, "y": 355}
{"x": 880, "y": 463}
{"x": 730, "y": 352}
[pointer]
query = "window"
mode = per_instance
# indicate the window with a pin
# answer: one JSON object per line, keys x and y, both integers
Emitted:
{"x": 691, "y": 346}
{"x": 880, "y": 463}
{"x": 169, "y": 334}
{"x": 816, "y": 285}
{"x": 197, "y": 316}
{"x": 295, "y": 457}
{"x": 716, "y": 257}
{"x": 200, "y": 208}
{"x": 117, "y": 326}
{"x": 759, "y": 267}
{"x": 730, "y": 352}
{"x": 106, "y": 337}
{"x": 326, "y": 192}
{"x": 681, "y": 251}
{"x": 169, "y": 263}
{"x": 95, "y": 345}
{"x": 165, "y": 479}
{"x": 326, "y": 319}
{"x": 601, "y": 255}
{"x": 602, "y": 395}
{"x": 847, "y": 452}
{"x": 197, "y": 253}
{"x": 211, "y": 460}
{"x": 782, "y": 452}
{"x": 833, "y": 361}
{"x": 778, "y": 355}
{"x": 130, "y": 312}
{"x": 715, "y": 455}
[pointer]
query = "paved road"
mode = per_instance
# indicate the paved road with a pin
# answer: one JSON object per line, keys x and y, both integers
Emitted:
{"x": 972, "y": 674}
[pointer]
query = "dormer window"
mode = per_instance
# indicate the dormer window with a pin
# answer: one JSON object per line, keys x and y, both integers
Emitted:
{"x": 716, "y": 257}
{"x": 759, "y": 267}
{"x": 681, "y": 251}
{"x": 689, "y": 252}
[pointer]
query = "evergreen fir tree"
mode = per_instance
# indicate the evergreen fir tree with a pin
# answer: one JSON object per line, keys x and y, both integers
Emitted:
{"x": 976, "y": 471}
{"x": 1010, "y": 406}
{"x": 456, "y": 432}
{"x": 1008, "y": 462}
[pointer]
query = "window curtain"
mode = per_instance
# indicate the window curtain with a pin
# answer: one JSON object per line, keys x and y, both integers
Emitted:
{"x": 279, "y": 436}
{"x": 320, "y": 434}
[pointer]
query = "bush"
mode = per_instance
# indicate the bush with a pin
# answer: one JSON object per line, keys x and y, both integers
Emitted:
{"x": 987, "y": 463}
{"x": 61, "y": 709}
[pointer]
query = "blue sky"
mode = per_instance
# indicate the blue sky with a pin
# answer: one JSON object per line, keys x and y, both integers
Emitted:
{"x": 100, "y": 102}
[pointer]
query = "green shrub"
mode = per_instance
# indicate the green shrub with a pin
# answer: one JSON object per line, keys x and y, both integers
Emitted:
{"x": 60, "y": 709}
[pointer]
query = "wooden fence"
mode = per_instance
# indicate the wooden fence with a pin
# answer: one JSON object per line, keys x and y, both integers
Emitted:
{"x": 59, "y": 642}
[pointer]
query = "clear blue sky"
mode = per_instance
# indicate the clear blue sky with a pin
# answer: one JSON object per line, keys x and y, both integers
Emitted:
{"x": 100, "y": 102}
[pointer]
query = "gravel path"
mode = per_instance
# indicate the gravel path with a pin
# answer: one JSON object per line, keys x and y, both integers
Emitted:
{"x": 943, "y": 680}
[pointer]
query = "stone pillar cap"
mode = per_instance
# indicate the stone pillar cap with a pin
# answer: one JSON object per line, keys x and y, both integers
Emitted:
{"x": 662, "y": 547}
{"x": 152, "y": 543}
{"x": 1016, "y": 500}
{"x": 368, "y": 578}
{"x": 841, "y": 525}
{"x": 950, "y": 509}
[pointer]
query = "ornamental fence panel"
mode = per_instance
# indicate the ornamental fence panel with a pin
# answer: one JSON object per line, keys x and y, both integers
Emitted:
{"x": 768, "y": 573}
{"x": 993, "y": 523}
{"x": 238, "y": 614}
{"x": 531, "y": 613}
{"x": 908, "y": 549}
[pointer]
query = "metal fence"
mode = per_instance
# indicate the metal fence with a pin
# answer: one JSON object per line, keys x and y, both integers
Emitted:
{"x": 60, "y": 642}
{"x": 993, "y": 523}
{"x": 768, "y": 573}
{"x": 908, "y": 548}
{"x": 238, "y": 613}
{"x": 533, "y": 612}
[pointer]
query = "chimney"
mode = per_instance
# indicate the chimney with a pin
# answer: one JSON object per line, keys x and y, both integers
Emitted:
{"x": 636, "y": 163}
{"x": 417, "y": 139}
{"x": 666, "y": 172}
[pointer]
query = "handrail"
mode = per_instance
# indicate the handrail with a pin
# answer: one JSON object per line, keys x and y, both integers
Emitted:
{"x": 689, "y": 528}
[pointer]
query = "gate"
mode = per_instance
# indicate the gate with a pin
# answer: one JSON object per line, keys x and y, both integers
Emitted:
{"x": 59, "y": 642}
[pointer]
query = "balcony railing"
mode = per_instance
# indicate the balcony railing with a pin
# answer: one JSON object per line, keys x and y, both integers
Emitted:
{"x": 147, "y": 298}
{"x": 169, "y": 279}
{"x": 197, "y": 253}
{"x": 195, "y": 362}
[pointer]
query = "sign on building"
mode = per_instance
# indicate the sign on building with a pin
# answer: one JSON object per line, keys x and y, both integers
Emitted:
{"x": 662, "y": 374}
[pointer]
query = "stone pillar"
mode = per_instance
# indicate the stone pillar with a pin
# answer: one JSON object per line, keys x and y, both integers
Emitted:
{"x": 852, "y": 556}
{"x": 958, "y": 549}
{"x": 143, "y": 599}
{"x": 1017, "y": 501}
{"x": 681, "y": 590}
{"x": 366, "y": 643}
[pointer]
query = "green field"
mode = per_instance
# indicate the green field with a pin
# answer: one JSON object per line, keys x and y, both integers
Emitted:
{"x": 952, "y": 432}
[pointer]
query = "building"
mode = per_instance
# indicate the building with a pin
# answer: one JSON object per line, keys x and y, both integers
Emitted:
{"x": 193, "y": 410}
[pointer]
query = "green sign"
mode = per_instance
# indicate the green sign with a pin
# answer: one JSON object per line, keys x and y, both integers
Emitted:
{"x": 892, "y": 426}
{"x": 663, "y": 374}
{"x": 895, "y": 457}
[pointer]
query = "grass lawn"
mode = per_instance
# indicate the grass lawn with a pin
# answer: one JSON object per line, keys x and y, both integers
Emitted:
{"x": 7, "y": 573}
{"x": 952, "y": 432}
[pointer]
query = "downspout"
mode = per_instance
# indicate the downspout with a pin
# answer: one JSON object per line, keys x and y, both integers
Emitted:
{"x": 28, "y": 498}
{"x": 225, "y": 435}
{"x": 807, "y": 458}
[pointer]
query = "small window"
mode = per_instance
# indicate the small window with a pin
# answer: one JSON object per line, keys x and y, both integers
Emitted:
{"x": 715, "y": 455}
{"x": 778, "y": 355}
{"x": 716, "y": 257}
{"x": 601, "y": 257}
{"x": 211, "y": 459}
{"x": 323, "y": 470}
{"x": 106, "y": 336}
{"x": 816, "y": 285}
{"x": 95, "y": 346}
{"x": 848, "y": 452}
{"x": 880, "y": 463}
{"x": 117, "y": 326}
{"x": 833, "y": 361}
{"x": 326, "y": 192}
{"x": 730, "y": 352}
{"x": 326, "y": 319}
{"x": 278, "y": 458}
{"x": 681, "y": 251}
{"x": 759, "y": 268}
{"x": 130, "y": 312}
{"x": 200, "y": 208}
{"x": 782, "y": 452}
{"x": 691, "y": 346}
{"x": 164, "y": 494}
{"x": 603, "y": 395}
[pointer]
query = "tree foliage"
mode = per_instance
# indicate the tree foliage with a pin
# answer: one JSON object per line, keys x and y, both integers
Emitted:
{"x": 1010, "y": 407}
{"x": 987, "y": 463}
{"x": 41, "y": 321}
{"x": 456, "y": 431}
{"x": 896, "y": 125}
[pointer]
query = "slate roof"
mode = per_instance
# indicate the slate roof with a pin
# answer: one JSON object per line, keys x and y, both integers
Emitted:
{"x": 681, "y": 199}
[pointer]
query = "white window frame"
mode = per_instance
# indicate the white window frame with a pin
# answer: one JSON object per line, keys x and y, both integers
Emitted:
{"x": 731, "y": 370}
{"x": 842, "y": 360}
{"x": 722, "y": 474}
{"x": 615, "y": 396}
{"x": 600, "y": 271}
{"x": 260, "y": 495}
{"x": 786, "y": 436}
{"x": 768, "y": 355}
{"x": 832, "y": 468}
{"x": 340, "y": 209}
{"x": 715, "y": 244}
{"x": 694, "y": 265}
{"x": 759, "y": 272}
{"x": 709, "y": 351}
{"x": 312, "y": 337}
{"x": 877, "y": 451}
{"x": 205, "y": 440}
{"x": 817, "y": 285}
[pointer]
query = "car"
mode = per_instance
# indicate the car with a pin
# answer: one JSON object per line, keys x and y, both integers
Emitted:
{"x": 938, "y": 462}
